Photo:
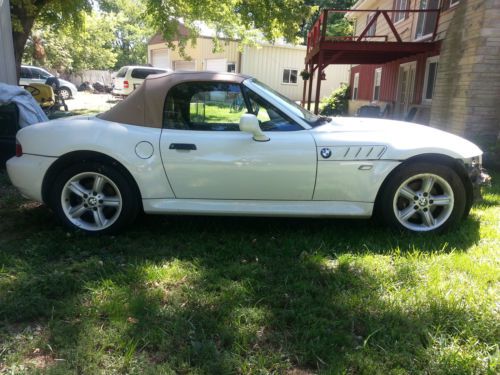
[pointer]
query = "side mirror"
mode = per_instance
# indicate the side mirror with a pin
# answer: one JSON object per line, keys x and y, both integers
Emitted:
{"x": 250, "y": 124}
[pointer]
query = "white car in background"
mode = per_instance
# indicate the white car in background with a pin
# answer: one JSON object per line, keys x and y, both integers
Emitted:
{"x": 226, "y": 144}
{"x": 128, "y": 78}
{"x": 34, "y": 74}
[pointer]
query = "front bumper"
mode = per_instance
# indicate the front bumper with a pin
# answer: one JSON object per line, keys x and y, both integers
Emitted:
{"x": 27, "y": 173}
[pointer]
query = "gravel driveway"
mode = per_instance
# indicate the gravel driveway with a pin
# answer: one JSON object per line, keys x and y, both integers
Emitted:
{"x": 85, "y": 101}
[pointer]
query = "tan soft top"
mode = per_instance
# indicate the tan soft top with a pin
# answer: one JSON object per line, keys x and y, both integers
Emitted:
{"x": 144, "y": 107}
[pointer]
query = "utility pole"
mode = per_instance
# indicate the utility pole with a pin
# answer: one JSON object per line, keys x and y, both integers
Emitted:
{"x": 7, "y": 62}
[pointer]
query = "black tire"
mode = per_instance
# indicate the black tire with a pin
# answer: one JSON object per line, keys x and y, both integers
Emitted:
{"x": 65, "y": 93}
{"x": 444, "y": 217}
{"x": 123, "y": 188}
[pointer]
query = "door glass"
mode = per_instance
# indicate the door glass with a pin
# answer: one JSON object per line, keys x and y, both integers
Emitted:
{"x": 211, "y": 106}
{"x": 43, "y": 75}
{"x": 35, "y": 73}
{"x": 25, "y": 73}
{"x": 270, "y": 118}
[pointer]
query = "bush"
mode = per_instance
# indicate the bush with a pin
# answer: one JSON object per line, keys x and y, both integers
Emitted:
{"x": 336, "y": 103}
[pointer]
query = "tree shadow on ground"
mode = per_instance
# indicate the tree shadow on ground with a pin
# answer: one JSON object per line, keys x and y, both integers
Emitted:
{"x": 182, "y": 294}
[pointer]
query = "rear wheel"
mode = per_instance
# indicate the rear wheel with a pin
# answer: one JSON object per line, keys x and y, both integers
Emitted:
{"x": 423, "y": 197}
{"x": 95, "y": 198}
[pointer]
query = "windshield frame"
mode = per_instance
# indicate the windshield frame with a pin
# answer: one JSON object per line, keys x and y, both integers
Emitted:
{"x": 307, "y": 119}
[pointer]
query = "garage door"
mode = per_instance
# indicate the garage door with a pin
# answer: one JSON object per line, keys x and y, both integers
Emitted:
{"x": 159, "y": 58}
{"x": 184, "y": 65}
{"x": 216, "y": 65}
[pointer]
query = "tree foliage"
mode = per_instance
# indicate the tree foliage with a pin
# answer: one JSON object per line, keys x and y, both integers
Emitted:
{"x": 337, "y": 24}
{"x": 245, "y": 20}
{"x": 66, "y": 50}
{"x": 133, "y": 21}
{"x": 108, "y": 37}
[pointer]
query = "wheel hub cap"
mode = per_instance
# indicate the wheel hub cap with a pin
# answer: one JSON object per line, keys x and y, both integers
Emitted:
{"x": 91, "y": 201}
{"x": 423, "y": 202}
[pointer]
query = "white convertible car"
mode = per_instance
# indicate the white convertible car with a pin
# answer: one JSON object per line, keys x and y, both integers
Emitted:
{"x": 225, "y": 144}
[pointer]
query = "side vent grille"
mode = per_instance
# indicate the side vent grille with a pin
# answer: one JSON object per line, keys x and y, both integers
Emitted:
{"x": 353, "y": 152}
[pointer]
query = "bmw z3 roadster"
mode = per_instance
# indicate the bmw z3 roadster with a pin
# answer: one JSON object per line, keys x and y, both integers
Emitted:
{"x": 225, "y": 144}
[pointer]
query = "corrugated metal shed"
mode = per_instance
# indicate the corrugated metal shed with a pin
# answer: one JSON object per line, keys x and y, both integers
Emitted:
{"x": 7, "y": 62}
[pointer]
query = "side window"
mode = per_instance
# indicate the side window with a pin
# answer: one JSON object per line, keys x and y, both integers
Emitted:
{"x": 43, "y": 75}
{"x": 213, "y": 106}
{"x": 35, "y": 73}
{"x": 25, "y": 73}
{"x": 121, "y": 73}
{"x": 270, "y": 118}
{"x": 142, "y": 73}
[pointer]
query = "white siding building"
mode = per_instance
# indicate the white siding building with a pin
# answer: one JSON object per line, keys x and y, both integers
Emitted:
{"x": 276, "y": 65}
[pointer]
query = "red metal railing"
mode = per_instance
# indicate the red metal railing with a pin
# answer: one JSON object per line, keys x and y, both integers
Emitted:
{"x": 318, "y": 31}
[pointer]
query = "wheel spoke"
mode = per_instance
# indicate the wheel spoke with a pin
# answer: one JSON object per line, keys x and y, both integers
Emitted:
{"x": 77, "y": 211}
{"x": 407, "y": 192}
{"x": 98, "y": 184}
{"x": 99, "y": 218}
{"x": 77, "y": 189}
{"x": 407, "y": 213}
{"x": 440, "y": 200}
{"x": 111, "y": 202}
{"x": 428, "y": 218}
{"x": 427, "y": 184}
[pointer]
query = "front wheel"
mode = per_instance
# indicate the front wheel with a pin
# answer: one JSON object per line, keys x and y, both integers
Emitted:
{"x": 423, "y": 197}
{"x": 95, "y": 198}
{"x": 65, "y": 93}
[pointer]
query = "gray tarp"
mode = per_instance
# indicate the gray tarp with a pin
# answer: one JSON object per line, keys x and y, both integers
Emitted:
{"x": 29, "y": 110}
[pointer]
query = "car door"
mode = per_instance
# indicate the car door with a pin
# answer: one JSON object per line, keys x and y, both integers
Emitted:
{"x": 25, "y": 76}
{"x": 206, "y": 156}
{"x": 38, "y": 75}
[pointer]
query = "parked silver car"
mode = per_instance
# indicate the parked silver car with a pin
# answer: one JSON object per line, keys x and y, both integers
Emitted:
{"x": 34, "y": 74}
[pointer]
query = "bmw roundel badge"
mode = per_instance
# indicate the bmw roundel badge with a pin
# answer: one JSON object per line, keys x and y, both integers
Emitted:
{"x": 326, "y": 153}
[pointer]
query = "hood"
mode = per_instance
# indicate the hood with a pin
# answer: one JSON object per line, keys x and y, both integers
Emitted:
{"x": 402, "y": 139}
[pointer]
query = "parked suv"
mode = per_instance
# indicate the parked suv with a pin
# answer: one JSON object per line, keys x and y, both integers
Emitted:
{"x": 129, "y": 78}
{"x": 34, "y": 74}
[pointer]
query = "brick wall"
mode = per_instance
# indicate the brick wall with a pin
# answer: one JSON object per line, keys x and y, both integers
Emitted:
{"x": 467, "y": 93}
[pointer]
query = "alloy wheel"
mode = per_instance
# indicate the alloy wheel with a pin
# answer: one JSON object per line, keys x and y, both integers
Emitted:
{"x": 91, "y": 201}
{"x": 423, "y": 202}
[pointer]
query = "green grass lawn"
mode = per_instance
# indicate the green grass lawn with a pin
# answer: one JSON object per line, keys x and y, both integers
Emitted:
{"x": 194, "y": 295}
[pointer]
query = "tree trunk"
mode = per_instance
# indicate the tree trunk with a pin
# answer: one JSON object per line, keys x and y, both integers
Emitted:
{"x": 23, "y": 19}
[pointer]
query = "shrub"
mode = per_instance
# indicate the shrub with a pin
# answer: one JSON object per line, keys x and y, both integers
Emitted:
{"x": 336, "y": 103}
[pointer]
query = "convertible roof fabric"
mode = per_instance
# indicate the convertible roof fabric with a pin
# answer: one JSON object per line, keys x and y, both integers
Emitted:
{"x": 144, "y": 107}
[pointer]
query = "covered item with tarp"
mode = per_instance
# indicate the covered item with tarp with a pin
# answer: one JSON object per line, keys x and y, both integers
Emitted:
{"x": 29, "y": 110}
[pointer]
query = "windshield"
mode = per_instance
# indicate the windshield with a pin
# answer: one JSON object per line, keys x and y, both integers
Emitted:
{"x": 312, "y": 119}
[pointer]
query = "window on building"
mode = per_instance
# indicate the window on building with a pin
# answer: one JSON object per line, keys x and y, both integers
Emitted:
{"x": 290, "y": 76}
{"x": 373, "y": 29}
{"x": 231, "y": 67}
{"x": 355, "y": 87}
{"x": 376, "y": 84}
{"x": 430, "y": 78}
{"x": 426, "y": 22}
{"x": 400, "y": 5}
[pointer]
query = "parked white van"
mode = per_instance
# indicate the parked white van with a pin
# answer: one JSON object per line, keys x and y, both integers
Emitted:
{"x": 129, "y": 78}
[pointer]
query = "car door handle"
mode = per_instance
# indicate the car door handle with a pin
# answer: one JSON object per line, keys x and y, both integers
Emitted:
{"x": 182, "y": 146}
